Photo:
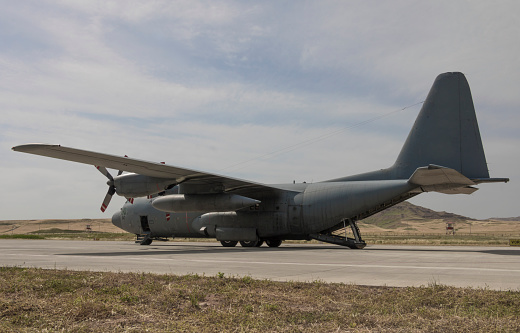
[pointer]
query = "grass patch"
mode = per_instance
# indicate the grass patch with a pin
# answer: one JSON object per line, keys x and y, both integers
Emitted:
{"x": 53, "y": 300}
{"x": 21, "y": 237}
{"x": 56, "y": 233}
{"x": 438, "y": 239}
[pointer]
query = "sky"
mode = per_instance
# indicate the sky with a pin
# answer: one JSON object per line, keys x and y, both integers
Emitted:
{"x": 271, "y": 91}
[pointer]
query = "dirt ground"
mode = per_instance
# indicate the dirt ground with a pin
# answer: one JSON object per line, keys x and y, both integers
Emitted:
{"x": 438, "y": 226}
{"x": 34, "y": 226}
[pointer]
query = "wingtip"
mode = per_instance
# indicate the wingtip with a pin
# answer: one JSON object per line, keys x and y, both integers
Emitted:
{"x": 31, "y": 146}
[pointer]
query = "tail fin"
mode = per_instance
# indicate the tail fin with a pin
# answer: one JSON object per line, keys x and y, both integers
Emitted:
{"x": 445, "y": 135}
{"x": 445, "y": 132}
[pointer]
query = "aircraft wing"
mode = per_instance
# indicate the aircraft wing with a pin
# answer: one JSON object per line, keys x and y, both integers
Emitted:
{"x": 152, "y": 169}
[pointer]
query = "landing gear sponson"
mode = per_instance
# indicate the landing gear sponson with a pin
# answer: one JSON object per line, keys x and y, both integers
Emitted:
{"x": 353, "y": 243}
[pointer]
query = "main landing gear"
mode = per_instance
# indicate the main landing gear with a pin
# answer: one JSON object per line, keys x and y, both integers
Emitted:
{"x": 258, "y": 243}
{"x": 229, "y": 243}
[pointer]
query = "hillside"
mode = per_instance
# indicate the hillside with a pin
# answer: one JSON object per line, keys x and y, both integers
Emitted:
{"x": 408, "y": 218}
{"x": 506, "y": 218}
{"x": 395, "y": 216}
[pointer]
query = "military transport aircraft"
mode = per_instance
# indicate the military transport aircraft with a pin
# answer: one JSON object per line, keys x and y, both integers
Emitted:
{"x": 443, "y": 153}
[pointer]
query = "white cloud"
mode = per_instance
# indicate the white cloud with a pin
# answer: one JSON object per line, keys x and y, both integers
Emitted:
{"x": 207, "y": 84}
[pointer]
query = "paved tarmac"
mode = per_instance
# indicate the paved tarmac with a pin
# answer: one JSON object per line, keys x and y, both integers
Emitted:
{"x": 378, "y": 265}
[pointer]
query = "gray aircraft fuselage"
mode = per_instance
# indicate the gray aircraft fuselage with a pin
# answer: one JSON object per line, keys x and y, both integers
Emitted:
{"x": 443, "y": 153}
{"x": 294, "y": 213}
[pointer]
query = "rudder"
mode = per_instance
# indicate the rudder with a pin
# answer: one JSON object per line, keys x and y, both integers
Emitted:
{"x": 445, "y": 132}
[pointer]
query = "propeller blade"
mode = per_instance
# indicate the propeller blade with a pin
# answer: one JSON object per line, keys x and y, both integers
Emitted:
{"x": 108, "y": 197}
{"x": 105, "y": 172}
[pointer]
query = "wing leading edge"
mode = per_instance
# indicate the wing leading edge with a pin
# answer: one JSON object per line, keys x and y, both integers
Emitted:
{"x": 176, "y": 174}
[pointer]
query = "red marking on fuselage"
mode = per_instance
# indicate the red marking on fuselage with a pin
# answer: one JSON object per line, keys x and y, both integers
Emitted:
{"x": 187, "y": 225}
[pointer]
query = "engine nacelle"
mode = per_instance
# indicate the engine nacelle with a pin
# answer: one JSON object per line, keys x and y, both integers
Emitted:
{"x": 134, "y": 185}
{"x": 222, "y": 202}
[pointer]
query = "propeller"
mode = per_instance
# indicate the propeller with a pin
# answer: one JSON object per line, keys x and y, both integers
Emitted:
{"x": 111, "y": 186}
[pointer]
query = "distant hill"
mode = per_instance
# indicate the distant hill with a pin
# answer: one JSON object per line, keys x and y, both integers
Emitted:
{"x": 505, "y": 218}
{"x": 394, "y": 217}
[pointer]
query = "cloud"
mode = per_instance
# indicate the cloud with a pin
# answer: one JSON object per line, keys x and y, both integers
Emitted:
{"x": 212, "y": 84}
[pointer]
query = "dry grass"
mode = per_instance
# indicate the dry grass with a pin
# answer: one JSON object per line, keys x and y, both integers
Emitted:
{"x": 52, "y": 300}
{"x": 437, "y": 226}
{"x": 439, "y": 239}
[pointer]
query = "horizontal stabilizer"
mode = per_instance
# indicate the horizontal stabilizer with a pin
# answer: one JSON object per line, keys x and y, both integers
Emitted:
{"x": 434, "y": 178}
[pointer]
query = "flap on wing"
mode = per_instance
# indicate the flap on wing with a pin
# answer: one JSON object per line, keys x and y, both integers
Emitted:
{"x": 159, "y": 170}
{"x": 434, "y": 178}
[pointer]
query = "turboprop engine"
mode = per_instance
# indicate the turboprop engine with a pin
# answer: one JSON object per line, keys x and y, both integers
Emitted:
{"x": 221, "y": 202}
{"x": 134, "y": 185}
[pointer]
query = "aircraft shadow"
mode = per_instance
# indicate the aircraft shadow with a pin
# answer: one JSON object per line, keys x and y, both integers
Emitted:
{"x": 195, "y": 249}
{"x": 200, "y": 249}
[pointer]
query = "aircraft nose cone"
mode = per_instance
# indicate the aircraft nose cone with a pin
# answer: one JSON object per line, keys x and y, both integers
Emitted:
{"x": 116, "y": 220}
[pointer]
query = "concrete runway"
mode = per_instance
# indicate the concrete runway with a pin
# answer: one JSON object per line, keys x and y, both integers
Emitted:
{"x": 378, "y": 265}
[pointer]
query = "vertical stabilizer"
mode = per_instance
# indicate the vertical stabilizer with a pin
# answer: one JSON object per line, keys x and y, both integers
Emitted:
{"x": 445, "y": 132}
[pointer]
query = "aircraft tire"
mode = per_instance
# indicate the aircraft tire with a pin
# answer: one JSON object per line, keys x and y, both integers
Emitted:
{"x": 229, "y": 243}
{"x": 249, "y": 243}
{"x": 260, "y": 243}
{"x": 146, "y": 242}
{"x": 273, "y": 242}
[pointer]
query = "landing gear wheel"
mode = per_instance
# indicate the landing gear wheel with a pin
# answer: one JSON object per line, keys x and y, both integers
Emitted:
{"x": 249, "y": 243}
{"x": 229, "y": 243}
{"x": 146, "y": 241}
{"x": 260, "y": 242}
{"x": 273, "y": 242}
